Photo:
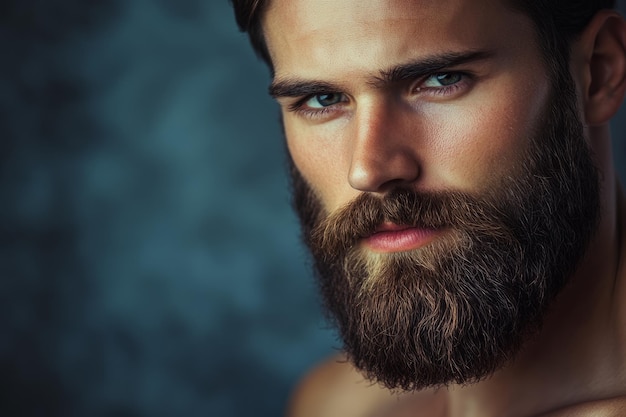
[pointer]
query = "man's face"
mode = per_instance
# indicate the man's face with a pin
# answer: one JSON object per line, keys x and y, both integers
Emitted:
{"x": 444, "y": 187}
{"x": 363, "y": 134}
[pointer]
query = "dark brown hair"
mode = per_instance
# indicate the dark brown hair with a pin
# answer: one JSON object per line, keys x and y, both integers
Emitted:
{"x": 248, "y": 14}
{"x": 558, "y": 22}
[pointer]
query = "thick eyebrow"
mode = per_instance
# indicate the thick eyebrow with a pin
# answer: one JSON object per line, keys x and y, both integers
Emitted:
{"x": 429, "y": 65}
{"x": 294, "y": 87}
{"x": 291, "y": 87}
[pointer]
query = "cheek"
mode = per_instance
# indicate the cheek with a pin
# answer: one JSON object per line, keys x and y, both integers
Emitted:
{"x": 475, "y": 144}
{"x": 318, "y": 155}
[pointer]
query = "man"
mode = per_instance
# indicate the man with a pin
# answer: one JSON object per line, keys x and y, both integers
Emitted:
{"x": 452, "y": 171}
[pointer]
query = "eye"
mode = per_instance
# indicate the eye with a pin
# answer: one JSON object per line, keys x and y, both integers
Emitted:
{"x": 444, "y": 85}
{"x": 443, "y": 79}
{"x": 320, "y": 101}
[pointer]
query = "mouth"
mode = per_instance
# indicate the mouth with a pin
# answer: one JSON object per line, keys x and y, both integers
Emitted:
{"x": 391, "y": 237}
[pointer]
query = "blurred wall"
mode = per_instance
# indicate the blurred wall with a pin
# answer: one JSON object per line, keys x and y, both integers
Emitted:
{"x": 151, "y": 264}
{"x": 150, "y": 261}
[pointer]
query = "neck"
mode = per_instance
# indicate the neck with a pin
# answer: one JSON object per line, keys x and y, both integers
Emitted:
{"x": 578, "y": 355}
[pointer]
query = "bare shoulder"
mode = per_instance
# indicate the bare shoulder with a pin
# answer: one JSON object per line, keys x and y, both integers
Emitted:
{"x": 335, "y": 388}
{"x": 612, "y": 407}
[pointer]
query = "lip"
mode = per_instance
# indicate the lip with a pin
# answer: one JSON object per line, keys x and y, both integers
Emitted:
{"x": 390, "y": 237}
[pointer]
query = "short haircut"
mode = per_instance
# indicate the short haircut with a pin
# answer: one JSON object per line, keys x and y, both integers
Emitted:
{"x": 557, "y": 23}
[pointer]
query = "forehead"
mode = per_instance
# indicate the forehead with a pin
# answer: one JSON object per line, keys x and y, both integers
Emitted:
{"x": 306, "y": 35}
{"x": 313, "y": 15}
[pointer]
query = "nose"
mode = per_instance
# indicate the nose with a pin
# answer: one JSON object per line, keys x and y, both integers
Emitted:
{"x": 385, "y": 149}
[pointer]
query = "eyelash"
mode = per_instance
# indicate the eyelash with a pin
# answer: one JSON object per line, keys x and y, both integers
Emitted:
{"x": 300, "y": 108}
{"x": 447, "y": 89}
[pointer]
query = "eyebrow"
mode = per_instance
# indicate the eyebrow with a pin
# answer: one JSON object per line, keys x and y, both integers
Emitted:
{"x": 294, "y": 87}
{"x": 428, "y": 65}
{"x": 291, "y": 87}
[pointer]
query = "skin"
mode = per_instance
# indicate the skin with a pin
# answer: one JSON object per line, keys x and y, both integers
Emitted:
{"x": 377, "y": 134}
{"x": 389, "y": 134}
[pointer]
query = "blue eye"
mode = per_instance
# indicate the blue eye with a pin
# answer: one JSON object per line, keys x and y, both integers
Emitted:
{"x": 319, "y": 101}
{"x": 443, "y": 79}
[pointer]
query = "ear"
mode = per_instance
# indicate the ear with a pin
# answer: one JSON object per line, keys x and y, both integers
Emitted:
{"x": 601, "y": 50}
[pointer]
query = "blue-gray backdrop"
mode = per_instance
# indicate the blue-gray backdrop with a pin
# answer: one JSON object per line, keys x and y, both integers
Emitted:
{"x": 150, "y": 261}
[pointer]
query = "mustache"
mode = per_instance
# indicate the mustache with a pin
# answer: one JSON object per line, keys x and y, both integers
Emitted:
{"x": 343, "y": 229}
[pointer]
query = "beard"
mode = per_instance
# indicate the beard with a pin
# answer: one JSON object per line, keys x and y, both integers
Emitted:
{"x": 457, "y": 309}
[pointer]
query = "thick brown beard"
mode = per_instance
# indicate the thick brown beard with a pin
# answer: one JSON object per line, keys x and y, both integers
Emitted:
{"x": 459, "y": 308}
